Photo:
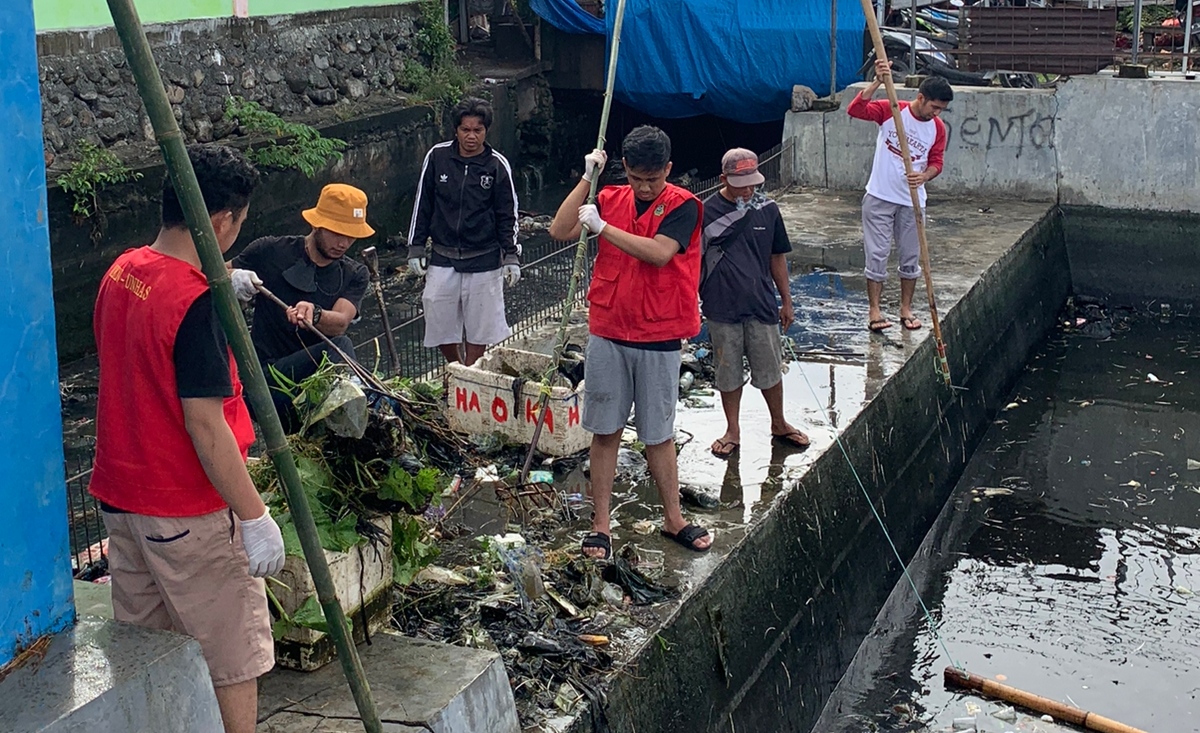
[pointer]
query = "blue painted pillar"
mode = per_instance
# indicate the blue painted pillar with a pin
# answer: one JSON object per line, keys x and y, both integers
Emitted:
{"x": 35, "y": 567}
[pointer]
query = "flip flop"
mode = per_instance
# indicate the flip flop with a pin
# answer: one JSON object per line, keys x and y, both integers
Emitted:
{"x": 688, "y": 536}
{"x": 908, "y": 323}
{"x": 874, "y": 326}
{"x": 794, "y": 439}
{"x": 597, "y": 540}
{"x": 724, "y": 448}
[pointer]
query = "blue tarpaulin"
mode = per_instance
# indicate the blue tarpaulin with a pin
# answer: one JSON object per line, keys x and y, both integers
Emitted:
{"x": 567, "y": 16}
{"x": 734, "y": 59}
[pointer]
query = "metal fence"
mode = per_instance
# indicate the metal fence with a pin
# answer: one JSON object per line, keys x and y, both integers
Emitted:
{"x": 1059, "y": 40}
{"x": 537, "y": 300}
{"x": 85, "y": 526}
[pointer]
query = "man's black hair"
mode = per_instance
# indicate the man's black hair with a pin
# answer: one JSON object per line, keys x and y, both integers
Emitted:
{"x": 936, "y": 89}
{"x": 646, "y": 148}
{"x": 473, "y": 107}
{"x": 226, "y": 181}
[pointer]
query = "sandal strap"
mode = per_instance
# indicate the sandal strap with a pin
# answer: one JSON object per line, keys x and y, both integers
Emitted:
{"x": 598, "y": 540}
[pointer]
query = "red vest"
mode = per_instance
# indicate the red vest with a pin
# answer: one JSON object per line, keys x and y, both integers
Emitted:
{"x": 632, "y": 300}
{"x": 145, "y": 460}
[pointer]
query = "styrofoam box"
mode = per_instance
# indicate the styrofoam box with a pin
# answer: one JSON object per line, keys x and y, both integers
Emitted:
{"x": 480, "y": 400}
{"x": 358, "y": 577}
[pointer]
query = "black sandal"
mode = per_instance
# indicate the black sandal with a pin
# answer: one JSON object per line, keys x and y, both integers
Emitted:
{"x": 597, "y": 540}
{"x": 688, "y": 536}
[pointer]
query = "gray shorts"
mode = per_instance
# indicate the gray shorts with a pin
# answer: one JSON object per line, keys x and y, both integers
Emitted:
{"x": 882, "y": 222}
{"x": 758, "y": 342}
{"x": 616, "y": 378}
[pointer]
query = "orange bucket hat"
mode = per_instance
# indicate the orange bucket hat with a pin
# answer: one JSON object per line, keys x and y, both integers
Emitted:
{"x": 342, "y": 209}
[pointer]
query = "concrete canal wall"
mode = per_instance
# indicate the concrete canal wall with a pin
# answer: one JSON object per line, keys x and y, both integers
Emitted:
{"x": 762, "y": 643}
{"x": 342, "y": 71}
{"x": 1094, "y": 141}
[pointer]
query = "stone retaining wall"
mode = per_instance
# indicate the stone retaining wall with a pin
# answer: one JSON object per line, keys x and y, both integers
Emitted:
{"x": 292, "y": 65}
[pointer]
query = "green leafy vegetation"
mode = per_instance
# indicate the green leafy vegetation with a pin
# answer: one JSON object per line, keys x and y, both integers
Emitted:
{"x": 286, "y": 144}
{"x": 95, "y": 170}
{"x": 435, "y": 78}
{"x": 308, "y": 616}
{"x": 349, "y": 481}
{"x": 1151, "y": 15}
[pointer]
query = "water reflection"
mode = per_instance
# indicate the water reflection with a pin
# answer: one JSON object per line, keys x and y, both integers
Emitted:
{"x": 1067, "y": 557}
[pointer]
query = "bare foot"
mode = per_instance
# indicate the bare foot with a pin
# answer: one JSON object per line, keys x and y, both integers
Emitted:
{"x": 724, "y": 446}
{"x": 597, "y": 544}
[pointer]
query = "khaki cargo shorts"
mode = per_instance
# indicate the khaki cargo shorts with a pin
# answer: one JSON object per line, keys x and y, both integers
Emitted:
{"x": 758, "y": 342}
{"x": 190, "y": 575}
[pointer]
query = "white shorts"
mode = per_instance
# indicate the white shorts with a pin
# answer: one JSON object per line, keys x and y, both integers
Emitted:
{"x": 464, "y": 304}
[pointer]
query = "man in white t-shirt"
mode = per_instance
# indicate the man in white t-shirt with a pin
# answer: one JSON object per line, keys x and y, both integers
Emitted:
{"x": 887, "y": 210}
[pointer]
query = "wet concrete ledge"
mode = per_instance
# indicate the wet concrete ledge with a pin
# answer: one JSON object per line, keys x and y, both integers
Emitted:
{"x": 761, "y": 641}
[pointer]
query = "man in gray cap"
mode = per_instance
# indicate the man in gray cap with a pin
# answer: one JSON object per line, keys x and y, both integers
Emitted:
{"x": 744, "y": 266}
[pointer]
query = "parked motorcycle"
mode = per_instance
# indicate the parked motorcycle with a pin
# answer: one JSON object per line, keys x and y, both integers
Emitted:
{"x": 929, "y": 59}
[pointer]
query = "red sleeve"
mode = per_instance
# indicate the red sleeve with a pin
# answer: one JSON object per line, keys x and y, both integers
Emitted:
{"x": 939, "y": 146}
{"x": 877, "y": 111}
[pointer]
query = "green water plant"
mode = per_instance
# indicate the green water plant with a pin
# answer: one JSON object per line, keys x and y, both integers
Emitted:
{"x": 284, "y": 144}
{"x": 95, "y": 169}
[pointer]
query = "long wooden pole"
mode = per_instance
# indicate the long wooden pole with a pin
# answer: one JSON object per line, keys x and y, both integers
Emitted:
{"x": 371, "y": 258}
{"x": 363, "y": 373}
{"x": 183, "y": 178}
{"x": 560, "y": 342}
{"x": 943, "y": 365}
{"x": 1059, "y": 711}
{"x": 833, "y": 10}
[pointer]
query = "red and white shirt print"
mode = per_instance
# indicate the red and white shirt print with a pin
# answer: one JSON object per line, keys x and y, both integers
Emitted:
{"x": 926, "y": 145}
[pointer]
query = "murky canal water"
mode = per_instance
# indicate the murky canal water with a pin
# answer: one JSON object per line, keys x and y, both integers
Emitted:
{"x": 1066, "y": 560}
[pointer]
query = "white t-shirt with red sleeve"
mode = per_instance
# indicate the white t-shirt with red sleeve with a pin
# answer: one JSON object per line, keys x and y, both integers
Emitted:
{"x": 926, "y": 145}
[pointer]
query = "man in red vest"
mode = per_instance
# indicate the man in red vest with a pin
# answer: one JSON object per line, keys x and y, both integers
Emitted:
{"x": 642, "y": 304}
{"x": 189, "y": 538}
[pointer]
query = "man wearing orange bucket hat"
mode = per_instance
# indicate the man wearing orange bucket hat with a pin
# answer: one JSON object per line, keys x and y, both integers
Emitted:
{"x": 312, "y": 273}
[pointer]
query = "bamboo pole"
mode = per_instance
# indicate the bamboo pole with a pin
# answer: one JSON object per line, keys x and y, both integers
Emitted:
{"x": 560, "y": 342}
{"x": 943, "y": 365}
{"x": 371, "y": 258}
{"x": 179, "y": 167}
{"x": 1059, "y": 711}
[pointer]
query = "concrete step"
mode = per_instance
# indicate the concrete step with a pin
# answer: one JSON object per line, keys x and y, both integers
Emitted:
{"x": 418, "y": 686}
{"x": 101, "y": 675}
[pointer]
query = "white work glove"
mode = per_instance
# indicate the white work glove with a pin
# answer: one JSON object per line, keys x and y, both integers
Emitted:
{"x": 416, "y": 265}
{"x": 593, "y": 164}
{"x": 245, "y": 284}
{"x": 589, "y": 217}
{"x": 264, "y": 545}
{"x": 512, "y": 274}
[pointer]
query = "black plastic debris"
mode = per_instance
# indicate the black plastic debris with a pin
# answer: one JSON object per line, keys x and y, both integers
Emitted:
{"x": 699, "y": 498}
{"x": 641, "y": 589}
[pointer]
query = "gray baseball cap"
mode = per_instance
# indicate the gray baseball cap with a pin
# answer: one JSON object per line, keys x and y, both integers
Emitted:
{"x": 740, "y": 167}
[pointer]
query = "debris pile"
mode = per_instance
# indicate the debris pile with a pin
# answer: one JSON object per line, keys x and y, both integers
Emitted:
{"x": 361, "y": 458}
{"x": 552, "y": 616}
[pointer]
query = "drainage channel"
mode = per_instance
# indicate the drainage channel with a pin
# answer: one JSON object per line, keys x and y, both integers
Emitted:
{"x": 1065, "y": 561}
